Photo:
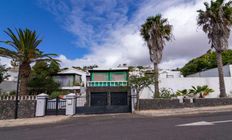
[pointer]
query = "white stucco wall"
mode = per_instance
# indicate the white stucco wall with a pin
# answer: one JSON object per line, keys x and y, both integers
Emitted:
{"x": 12, "y": 76}
{"x": 186, "y": 83}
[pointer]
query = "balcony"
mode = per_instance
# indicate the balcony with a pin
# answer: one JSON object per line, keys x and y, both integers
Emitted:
{"x": 106, "y": 83}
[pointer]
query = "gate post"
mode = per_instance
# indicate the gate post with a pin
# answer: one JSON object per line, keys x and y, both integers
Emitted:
{"x": 41, "y": 105}
{"x": 71, "y": 100}
{"x": 133, "y": 99}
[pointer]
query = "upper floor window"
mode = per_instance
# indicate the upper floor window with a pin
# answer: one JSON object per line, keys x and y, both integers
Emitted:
{"x": 118, "y": 77}
{"x": 109, "y": 76}
{"x": 100, "y": 77}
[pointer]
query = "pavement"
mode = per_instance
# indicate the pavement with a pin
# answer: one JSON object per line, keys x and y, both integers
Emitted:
{"x": 185, "y": 111}
{"x": 32, "y": 121}
{"x": 213, "y": 126}
{"x": 151, "y": 113}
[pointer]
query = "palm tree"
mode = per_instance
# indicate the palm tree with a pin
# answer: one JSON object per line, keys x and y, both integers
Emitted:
{"x": 202, "y": 91}
{"x": 216, "y": 21}
{"x": 24, "y": 51}
{"x": 156, "y": 31}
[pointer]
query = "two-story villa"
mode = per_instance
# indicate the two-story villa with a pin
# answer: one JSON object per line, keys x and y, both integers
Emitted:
{"x": 71, "y": 80}
{"x": 108, "y": 88}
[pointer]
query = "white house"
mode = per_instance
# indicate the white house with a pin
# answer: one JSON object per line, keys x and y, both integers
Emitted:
{"x": 10, "y": 83}
{"x": 163, "y": 73}
{"x": 71, "y": 79}
{"x": 12, "y": 74}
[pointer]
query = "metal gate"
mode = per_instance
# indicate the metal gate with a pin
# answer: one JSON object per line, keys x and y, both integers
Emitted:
{"x": 116, "y": 103}
{"x": 55, "y": 106}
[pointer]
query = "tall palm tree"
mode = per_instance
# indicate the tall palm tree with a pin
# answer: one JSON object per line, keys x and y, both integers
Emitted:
{"x": 216, "y": 21}
{"x": 156, "y": 31}
{"x": 24, "y": 51}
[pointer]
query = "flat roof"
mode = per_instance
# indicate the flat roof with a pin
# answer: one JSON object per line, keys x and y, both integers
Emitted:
{"x": 110, "y": 69}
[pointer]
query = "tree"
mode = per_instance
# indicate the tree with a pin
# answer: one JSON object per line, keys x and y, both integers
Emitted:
{"x": 54, "y": 67}
{"x": 156, "y": 31}
{"x": 139, "y": 82}
{"x": 41, "y": 80}
{"x": 206, "y": 61}
{"x": 24, "y": 50}
{"x": 3, "y": 73}
{"x": 216, "y": 21}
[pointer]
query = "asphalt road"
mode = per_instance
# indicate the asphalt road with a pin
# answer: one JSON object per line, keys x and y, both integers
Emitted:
{"x": 127, "y": 127}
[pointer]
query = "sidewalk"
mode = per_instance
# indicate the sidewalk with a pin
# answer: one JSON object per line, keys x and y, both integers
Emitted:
{"x": 32, "y": 121}
{"x": 185, "y": 111}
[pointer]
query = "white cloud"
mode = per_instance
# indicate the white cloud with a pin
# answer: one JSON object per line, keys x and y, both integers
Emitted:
{"x": 118, "y": 39}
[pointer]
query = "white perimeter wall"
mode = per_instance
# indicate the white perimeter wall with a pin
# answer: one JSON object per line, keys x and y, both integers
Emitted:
{"x": 186, "y": 83}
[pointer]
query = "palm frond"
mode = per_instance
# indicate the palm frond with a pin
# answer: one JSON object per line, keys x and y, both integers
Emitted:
{"x": 8, "y": 53}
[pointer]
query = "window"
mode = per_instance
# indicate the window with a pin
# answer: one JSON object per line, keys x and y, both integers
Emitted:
{"x": 100, "y": 77}
{"x": 64, "y": 80}
{"x": 118, "y": 77}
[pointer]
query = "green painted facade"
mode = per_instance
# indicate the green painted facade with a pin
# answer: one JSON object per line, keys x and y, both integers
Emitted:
{"x": 109, "y": 79}
{"x": 109, "y": 75}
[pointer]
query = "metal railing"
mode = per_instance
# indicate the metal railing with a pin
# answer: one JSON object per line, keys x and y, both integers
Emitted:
{"x": 106, "y": 83}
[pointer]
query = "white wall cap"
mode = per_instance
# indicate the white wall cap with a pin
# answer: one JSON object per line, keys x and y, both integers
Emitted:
{"x": 42, "y": 95}
{"x": 71, "y": 95}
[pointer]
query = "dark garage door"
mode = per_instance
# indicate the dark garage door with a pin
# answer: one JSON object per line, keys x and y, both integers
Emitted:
{"x": 119, "y": 98}
{"x": 98, "y": 99}
{"x": 99, "y": 103}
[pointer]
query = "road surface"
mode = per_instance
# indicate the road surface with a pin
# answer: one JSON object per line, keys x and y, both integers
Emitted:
{"x": 128, "y": 127}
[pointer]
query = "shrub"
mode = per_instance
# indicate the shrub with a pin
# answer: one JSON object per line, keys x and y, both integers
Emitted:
{"x": 195, "y": 91}
{"x": 166, "y": 93}
{"x": 55, "y": 94}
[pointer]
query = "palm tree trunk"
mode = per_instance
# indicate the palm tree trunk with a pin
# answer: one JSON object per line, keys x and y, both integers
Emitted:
{"x": 221, "y": 74}
{"x": 156, "y": 79}
{"x": 25, "y": 70}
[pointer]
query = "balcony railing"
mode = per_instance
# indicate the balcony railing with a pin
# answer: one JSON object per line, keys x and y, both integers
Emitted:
{"x": 106, "y": 83}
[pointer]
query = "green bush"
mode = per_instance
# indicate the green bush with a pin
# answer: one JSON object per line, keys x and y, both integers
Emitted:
{"x": 204, "y": 62}
{"x": 55, "y": 94}
{"x": 12, "y": 93}
{"x": 166, "y": 93}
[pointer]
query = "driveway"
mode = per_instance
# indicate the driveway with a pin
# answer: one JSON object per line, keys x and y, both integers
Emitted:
{"x": 128, "y": 127}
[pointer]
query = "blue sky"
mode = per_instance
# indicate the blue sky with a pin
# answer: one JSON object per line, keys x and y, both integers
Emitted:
{"x": 30, "y": 14}
{"x": 106, "y": 32}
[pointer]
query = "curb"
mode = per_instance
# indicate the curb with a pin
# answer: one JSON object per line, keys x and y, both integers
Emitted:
{"x": 32, "y": 121}
{"x": 184, "y": 111}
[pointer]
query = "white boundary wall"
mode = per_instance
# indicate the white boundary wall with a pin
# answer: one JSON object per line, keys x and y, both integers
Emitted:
{"x": 186, "y": 83}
